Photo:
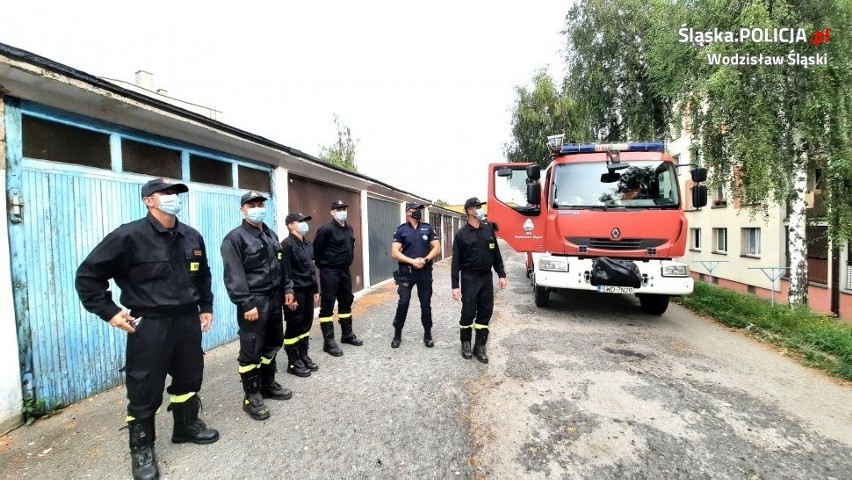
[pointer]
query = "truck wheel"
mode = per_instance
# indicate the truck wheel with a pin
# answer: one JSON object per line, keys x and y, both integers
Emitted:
{"x": 542, "y": 297}
{"x": 654, "y": 304}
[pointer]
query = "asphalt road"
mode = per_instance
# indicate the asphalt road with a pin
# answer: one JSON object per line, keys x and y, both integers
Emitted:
{"x": 590, "y": 387}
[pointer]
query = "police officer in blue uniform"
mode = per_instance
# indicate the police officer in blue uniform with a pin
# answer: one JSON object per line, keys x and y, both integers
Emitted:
{"x": 475, "y": 253}
{"x": 258, "y": 282}
{"x": 160, "y": 265}
{"x": 415, "y": 245}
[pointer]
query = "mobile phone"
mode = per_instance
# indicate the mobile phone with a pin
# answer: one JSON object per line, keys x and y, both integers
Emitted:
{"x": 135, "y": 321}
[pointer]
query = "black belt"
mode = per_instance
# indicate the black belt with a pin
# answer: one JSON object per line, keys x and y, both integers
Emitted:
{"x": 166, "y": 311}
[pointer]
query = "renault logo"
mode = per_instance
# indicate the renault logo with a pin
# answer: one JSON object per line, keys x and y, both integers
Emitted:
{"x": 616, "y": 233}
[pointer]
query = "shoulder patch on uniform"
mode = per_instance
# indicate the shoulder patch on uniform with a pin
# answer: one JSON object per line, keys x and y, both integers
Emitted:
{"x": 197, "y": 252}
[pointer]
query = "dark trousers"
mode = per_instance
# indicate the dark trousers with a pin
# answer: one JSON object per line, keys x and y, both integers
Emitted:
{"x": 262, "y": 338}
{"x": 299, "y": 320}
{"x": 162, "y": 345}
{"x": 408, "y": 279}
{"x": 477, "y": 299}
{"x": 336, "y": 285}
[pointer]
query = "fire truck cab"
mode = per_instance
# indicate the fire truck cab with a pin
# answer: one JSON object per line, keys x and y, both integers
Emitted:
{"x": 602, "y": 217}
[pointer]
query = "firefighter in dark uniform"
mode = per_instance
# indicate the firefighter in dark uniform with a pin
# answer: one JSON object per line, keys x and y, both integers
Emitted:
{"x": 415, "y": 245}
{"x": 299, "y": 253}
{"x": 475, "y": 253}
{"x": 334, "y": 250}
{"x": 258, "y": 283}
{"x": 160, "y": 265}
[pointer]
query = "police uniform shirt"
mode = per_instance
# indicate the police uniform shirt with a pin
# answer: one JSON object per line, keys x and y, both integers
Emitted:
{"x": 475, "y": 251}
{"x": 254, "y": 265}
{"x": 334, "y": 245}
{"x": 300, "y": 254}
{"x": 155, "y": 267}
{"x": 415, "y": 240}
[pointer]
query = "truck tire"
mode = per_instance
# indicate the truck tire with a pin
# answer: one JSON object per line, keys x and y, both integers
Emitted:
{"x": 654, "y": 304}
{"x": 542, "y": 297}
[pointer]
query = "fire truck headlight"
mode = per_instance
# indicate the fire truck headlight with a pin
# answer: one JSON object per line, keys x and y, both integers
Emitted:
{"x": 552, "y": 265}
{"x": 675, "y": 270}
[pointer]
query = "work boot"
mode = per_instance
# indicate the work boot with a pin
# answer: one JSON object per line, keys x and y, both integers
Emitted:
{"x": 346, "y": 334}
{"x": 188, "y": 427}
{"x": 253, "y": 401}
{"x": 465, "y": 342}
{"x": 303, "y": 352}
{"x": 479, "y": 345}
{"x": 397, "y": 337}
{"x": 142, "y": 455}
{"x": 295, "y": 366}
{"x": 329, "y": 346}
{"x": 269, "y": 388}
{"x": 427, "y": 337}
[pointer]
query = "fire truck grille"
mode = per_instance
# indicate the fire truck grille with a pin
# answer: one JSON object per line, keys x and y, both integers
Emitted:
{"x": 624, "y": 244}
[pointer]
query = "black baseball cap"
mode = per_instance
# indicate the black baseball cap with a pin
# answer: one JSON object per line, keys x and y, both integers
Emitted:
{"x": 413, "y": 206}
{"x": 296, "y": 217}
{"x": 160, "y": 184}
{"x": 251, "y": 196}
{"x": 472, "y": 202}
{"x": 338, "y": 204}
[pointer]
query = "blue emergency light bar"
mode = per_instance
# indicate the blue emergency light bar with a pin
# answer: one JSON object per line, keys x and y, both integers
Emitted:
{"x": 613, "y": 147}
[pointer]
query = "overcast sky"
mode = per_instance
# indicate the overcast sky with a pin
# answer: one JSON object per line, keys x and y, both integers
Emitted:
{"x": 426, "y": 89}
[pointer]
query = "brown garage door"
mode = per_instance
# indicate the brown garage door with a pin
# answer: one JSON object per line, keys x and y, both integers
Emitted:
{"x": 314, "y": 199}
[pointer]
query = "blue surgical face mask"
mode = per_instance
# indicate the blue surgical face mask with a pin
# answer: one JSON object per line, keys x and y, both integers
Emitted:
{"x": 255, "y": 214}
{"x": 480, "y": 214}
{"x": 304, "y": 227}
{"x": 341, "y": 215}
{"x": 170, "y": 204}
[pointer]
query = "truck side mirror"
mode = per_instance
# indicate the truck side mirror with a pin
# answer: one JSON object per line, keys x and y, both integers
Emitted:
{"x": 504, "y": 172}
{"x": 699, "y": 195}
{"x": 699, "y": 174}
{"x": 533, "y": 172}
{"x": 534, "y": 193}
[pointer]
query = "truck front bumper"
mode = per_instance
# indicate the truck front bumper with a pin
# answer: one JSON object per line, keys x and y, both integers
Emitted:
{"x": 579, "y": 271}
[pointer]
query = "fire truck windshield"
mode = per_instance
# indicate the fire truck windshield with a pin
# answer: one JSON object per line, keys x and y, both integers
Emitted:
{"x": 643, "y": 184}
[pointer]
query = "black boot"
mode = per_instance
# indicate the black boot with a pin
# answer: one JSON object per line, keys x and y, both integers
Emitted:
{"x": 397, "y": 337}
{"x": 253, "y": 402}
{"x": 188, "y": 427}
{"x": 427, "y": 338}
{"x": 269, "y": 388}
{"x": 142, "y": 455}
{"x": 479, "y": 346}
{"x": 329, "y": 346}
{"x": 303, "y": 352}
{"x": 465, "y": 342}
{"x": 346, "y": 334}
{"x": 295, "y": 366}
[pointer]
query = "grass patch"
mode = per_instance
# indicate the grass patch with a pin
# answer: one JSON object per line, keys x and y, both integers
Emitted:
{"x": 818, "y": 340}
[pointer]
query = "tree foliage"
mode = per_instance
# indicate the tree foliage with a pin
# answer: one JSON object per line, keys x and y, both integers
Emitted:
{"x": 341, "y": 153}
{"x": 538, "y": 112}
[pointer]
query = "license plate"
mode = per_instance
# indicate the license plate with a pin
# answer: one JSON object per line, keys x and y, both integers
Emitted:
{"x": 612, "y": 289}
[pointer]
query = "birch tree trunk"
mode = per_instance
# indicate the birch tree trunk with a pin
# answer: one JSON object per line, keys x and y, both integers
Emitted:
{"x": 798, "y": 294}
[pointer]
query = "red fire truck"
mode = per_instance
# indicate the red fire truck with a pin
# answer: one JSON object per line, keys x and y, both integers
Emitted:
{"x": 602, "y": 217}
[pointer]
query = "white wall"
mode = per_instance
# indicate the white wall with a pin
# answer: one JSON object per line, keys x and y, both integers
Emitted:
{"x": 11, "y": 400}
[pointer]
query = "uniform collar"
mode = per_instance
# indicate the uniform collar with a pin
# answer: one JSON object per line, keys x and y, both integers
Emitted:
{"x": 159, "y": 226}
{"x": 252, "y": 229}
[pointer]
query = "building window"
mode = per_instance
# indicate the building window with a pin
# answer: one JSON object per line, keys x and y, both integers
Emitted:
{"x": 719, "y": 199}
{"x": 208, "y": 170}
{"x": 46, "y": 140}
{"x": 720, "y": 240}
{"x": 696, "y": 239}
{"x": 751, "y": 242}
{"x": 148, "y": 159}
{"x": 253, "y": 179}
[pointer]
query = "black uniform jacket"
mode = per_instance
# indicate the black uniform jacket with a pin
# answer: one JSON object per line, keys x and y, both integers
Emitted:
{"x": 157, "y": 269}
{"x": 300, "y": 254}
{"x": 475, "y": 251}
{"x": 254, "y": 265}
{"x": 334, "y": 246}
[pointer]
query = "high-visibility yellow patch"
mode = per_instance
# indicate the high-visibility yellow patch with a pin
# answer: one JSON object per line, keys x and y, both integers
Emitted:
{"x": 492, "y": 246}
{"x": 194, "y": 266}
{"x": 280, "y": 255}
